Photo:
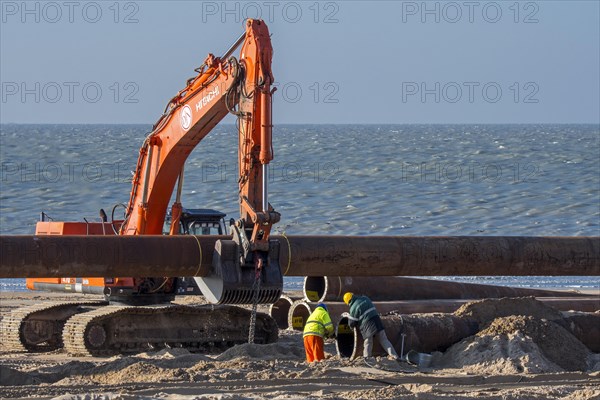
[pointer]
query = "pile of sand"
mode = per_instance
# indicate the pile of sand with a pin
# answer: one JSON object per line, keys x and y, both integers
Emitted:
{"x": 139, "y": 372}
{"x": 485, "y": 311}
{"x": 511, "y": 353}
{"x": 554, "y": 341}
{"x": 516, "y": 336}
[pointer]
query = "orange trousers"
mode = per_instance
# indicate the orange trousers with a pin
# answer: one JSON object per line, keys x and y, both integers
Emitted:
{"x": 313, "y": 345}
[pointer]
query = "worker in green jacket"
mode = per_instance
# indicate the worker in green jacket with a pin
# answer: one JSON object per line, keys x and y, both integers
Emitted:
{"x": 317, "y": 327}
{"x": 364, "y": 315}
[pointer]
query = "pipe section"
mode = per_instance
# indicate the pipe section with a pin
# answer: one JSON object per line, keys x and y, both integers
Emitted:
{"x": 280, "y": 309}
{"x": 332, "y": 288}
{"x": 423, "y": 333}
{"x": 299, "y": 313}
{"x": 426, "y": 333}
{"x": 300, "y": 310}
{"x": 104, "y": 256}
{"x": 437, "y": 255}
{"x": 158, "y": 255}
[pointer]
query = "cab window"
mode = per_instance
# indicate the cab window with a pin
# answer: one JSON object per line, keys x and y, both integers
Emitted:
{"x": 204, "y": 228}
{"x": 167, "y": 227}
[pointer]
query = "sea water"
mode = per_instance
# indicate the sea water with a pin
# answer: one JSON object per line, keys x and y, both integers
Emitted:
{"x": 517, "y": 180}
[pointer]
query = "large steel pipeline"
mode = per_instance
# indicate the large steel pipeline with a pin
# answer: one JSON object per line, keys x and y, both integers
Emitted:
{"x": 104, "y": 256}
{"x": 300, "y": 309}
{"x": 427, "y": 333}
{"x": 422, "y": 333}
{"x": 332, "y": 288}
{"x": 98, "y": 256}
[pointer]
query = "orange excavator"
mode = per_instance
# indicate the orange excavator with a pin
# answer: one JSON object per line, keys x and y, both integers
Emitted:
{"x": 134, "y": 316}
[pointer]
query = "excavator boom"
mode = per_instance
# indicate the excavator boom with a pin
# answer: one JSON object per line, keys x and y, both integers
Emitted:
{"x": 188, "y": 118}
{"x": 224, "y": 85}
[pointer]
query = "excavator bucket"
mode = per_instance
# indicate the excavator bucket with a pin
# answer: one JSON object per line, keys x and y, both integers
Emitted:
{"x": 233, "y": 283}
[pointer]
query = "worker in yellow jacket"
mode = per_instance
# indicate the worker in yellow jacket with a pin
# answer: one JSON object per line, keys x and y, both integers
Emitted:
{"x": 317, "y": 327}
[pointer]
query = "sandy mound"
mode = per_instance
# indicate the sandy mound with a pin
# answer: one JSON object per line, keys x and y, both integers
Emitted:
{"x": 165, "y": 354}
{"x": 516, "y": 335}
{"x": 178, "y": 365}
{"x": 123, "y": 370}
{"x": 512, "y": 353}
{"x": 555, "y": 342}
{"x": 517, "y": 344}
{"x": 174, "y": 358}
{"x": 485, "y": 311}
{"x": 162, "y": 366}
{"x": 273, "y": 351}
{"x": 140, "y": 372}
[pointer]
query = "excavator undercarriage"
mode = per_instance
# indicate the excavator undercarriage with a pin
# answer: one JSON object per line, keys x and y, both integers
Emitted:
{"x": 39, "y": 327}
{"x": 93, "y": 328}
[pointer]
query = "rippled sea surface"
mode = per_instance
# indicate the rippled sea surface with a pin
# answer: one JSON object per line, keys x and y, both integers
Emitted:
{"x": 520, "y": 180}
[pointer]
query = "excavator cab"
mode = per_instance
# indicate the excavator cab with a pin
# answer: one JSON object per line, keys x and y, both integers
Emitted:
{"x": 195, "y": 221}
{"x": 198, "y": 221}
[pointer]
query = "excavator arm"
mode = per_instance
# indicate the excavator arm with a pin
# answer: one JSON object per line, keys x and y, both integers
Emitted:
{"x": 245, "y": 269}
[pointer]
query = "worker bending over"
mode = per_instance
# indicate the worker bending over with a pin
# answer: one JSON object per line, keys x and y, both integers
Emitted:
{"x": 364, "y": 314}
{"x": 317, "y": 327}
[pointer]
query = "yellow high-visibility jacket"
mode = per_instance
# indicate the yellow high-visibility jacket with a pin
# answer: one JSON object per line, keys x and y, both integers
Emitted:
{"x": 318, "y": 324}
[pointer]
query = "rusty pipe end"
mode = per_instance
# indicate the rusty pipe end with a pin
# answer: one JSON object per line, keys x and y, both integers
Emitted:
{"x": 298, "y": 315}
{"x": 315, "y": 288}
{"x": 348, "y": 342}
{"x": 279, "y": 311}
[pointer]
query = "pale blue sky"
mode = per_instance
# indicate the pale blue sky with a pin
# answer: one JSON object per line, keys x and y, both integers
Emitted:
{"x": 336, "y": 62}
